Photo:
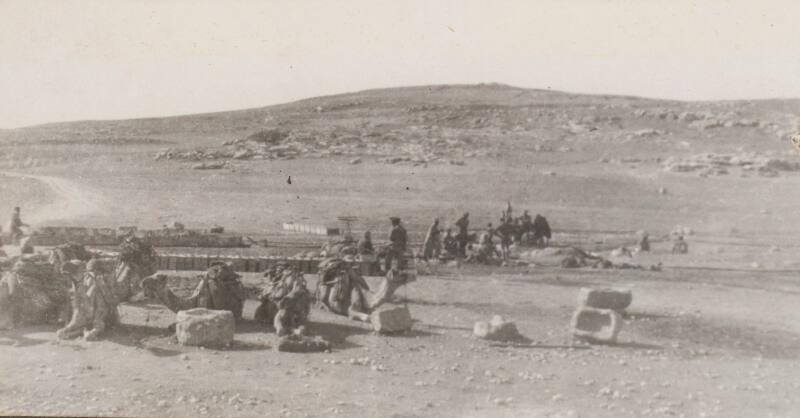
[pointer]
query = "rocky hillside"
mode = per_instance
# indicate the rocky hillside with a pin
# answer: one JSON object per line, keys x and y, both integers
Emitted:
{"x": 443, "y": 124}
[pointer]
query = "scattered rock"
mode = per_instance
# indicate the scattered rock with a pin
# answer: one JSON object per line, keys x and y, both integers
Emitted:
{"x": 243, "y": 154}
{"x": 204, "y": 327}
{"x": 215, "y": 165}
{"x": 355, "y": 161}
{"x": 498, "y": 329}
{"x": 302, "y": 344}
{"x": 391, "y": 319}
{"x": 596, "y": 325}
{"x": 605, "y": 298}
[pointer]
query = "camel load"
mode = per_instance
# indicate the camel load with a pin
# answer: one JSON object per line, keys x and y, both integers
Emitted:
{"x": 220, "y": 288}
{"x": 285, "y": 301}
{"x": 40, "y": 288}
{"x": 342, "y": 290}
{"x": 94, "y": 301}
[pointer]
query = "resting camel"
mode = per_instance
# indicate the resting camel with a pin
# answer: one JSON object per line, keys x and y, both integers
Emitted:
{"x": 219, "y": 288}
{"x": 37, "y": 289}
{"x": 285, "y": 302}
{"x": 343, "y": 291}
{"x": 94, "y": 303}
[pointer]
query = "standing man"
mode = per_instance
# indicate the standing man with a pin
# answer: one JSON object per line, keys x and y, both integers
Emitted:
{"x": 644, "y": 243}
{"x": 15, "y": 226}
{"x": 433, "y": 243}
{"x": 398, "y": 240}
{"x": 505, "y": 232}
{"x": 463, "y": 234}
{"x": 450, "y": 243}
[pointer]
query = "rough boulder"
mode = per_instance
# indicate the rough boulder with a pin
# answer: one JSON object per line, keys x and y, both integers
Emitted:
{"x": 390, "y": 319}
{"x": 205, "y": 327}
{"x": 498, "y": 329}
{"x": 605, "y": 298}
{"x": 596, "y": 325}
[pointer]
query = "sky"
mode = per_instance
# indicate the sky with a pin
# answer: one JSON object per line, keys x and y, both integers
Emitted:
{"x": 76, "y": 60}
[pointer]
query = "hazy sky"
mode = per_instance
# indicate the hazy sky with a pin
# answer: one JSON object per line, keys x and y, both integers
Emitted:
{"x": 62, "y": 60}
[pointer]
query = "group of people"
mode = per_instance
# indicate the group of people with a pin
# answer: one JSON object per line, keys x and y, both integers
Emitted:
{"x": 444, "y": 243}
{"x": 394, "y": 253}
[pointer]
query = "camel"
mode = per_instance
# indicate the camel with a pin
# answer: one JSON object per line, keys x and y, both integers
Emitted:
{"x": 94, "y": 303}
{"x": 285, "y": 302}
{"x": 219, "y": 288}
{"x": 37, "y": 289}
{"x": 137, "y": 259}
{"x": 343, "y": 291}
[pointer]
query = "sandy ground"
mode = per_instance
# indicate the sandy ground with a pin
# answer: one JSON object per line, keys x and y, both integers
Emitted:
{"x": 686, "y": 350}
{"x": 715, "y": 334}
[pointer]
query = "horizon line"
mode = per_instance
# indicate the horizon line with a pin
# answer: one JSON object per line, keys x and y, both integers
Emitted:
{"x": 477, "y": 84}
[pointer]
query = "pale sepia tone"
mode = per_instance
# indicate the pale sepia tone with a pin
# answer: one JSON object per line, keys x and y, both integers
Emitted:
{"x": 307, "y": 209}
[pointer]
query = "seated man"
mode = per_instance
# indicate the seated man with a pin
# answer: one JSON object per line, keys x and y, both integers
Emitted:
{"x": 365, "y": 246}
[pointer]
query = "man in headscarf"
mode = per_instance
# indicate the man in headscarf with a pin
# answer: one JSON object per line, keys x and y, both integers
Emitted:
{"x": 432, "y": 246}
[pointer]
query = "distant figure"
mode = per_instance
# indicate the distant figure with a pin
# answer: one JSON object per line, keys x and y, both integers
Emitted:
{"x": 506, "y": 234}
{"x": 365, "y": 245}
{"x": 463, "y": 234}
{"x": 490, "y": 231}
{"x": 450, "y": 243}
{"x": 15, "y": 226}
{"x": 680, "y": 247}
{"x": 542, "y": 233}
{"x": 397, "y": 244}
{"x": 432, "y": 247}
{"x": 644, "y": 244}
{"x": 526, "y": 218}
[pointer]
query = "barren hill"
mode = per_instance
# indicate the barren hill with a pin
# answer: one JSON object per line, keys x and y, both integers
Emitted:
{"x": 430, "y": 150}
{"x": 456, "y": 121}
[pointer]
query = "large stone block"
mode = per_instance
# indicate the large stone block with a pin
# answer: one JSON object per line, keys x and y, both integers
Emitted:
{"x": 596, "y": 325}
{"x": 391, "y": 319}
{"x": 205, "y": 327}
{"x": 605, "y": 298}
{"x": 498, "y": 329}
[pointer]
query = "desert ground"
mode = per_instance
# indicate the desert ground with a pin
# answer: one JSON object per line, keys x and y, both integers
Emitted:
{"x": 716, "y": 333}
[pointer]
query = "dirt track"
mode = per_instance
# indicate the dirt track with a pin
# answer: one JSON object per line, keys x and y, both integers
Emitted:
{"x": 70, "y": 200}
